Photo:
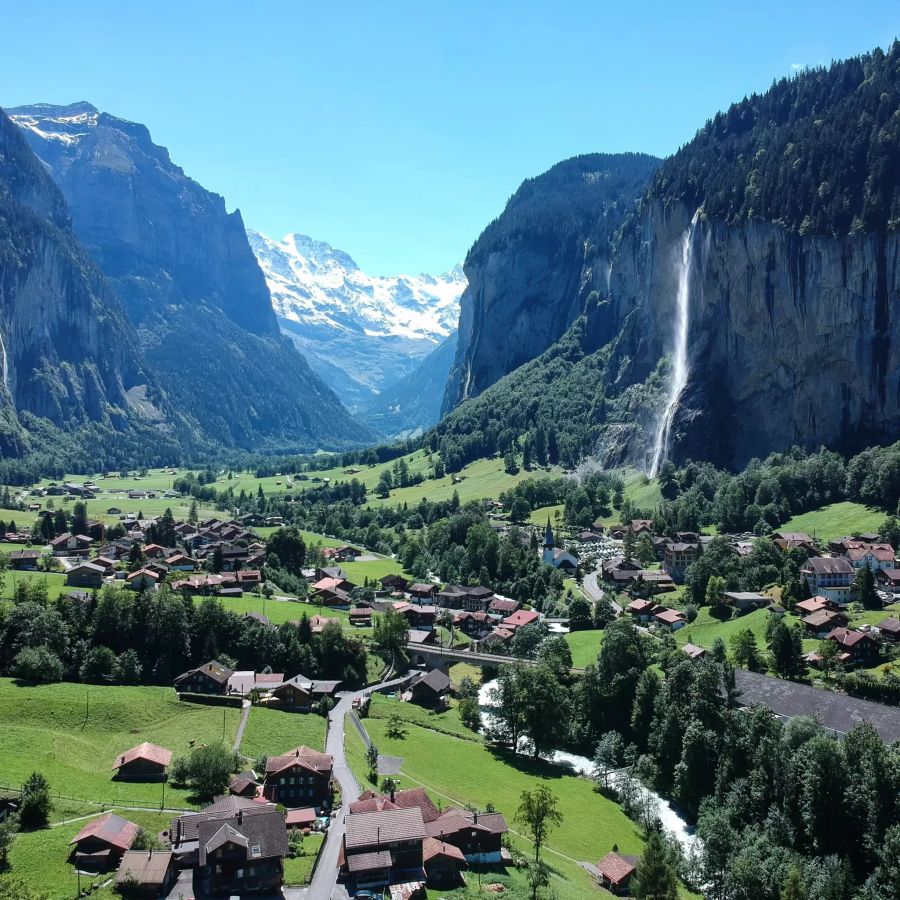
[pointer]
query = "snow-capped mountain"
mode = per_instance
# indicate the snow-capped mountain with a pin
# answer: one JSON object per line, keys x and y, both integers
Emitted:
{"x": 362, "y": 333}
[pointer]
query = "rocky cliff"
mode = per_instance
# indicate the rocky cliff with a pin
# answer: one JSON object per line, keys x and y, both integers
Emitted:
{"x": 190, "y": 283}
{"x": 67, "y": 351}
{"x": 532, "y": 268}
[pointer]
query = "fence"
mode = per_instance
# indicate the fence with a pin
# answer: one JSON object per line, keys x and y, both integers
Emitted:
{"x": 121, "y": 802}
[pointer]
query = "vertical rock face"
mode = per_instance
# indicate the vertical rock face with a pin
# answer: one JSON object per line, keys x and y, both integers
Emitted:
{"x": 531, "y": 269}
{"x": 790, "y": 340}
{"x": 67, "y": 352}
{"x": 190, "y": 283}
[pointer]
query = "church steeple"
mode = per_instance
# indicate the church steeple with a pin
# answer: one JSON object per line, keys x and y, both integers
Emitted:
{"x": 548, "y": 535}
{"x": 548, "y": 551}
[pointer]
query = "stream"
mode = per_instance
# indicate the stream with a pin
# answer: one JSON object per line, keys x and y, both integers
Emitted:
{"x": 671, "y": 819}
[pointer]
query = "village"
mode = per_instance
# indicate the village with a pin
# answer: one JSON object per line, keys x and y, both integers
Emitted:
{"x": 394, "y": 837}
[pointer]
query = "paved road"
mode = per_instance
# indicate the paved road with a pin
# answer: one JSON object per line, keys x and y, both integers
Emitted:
{"x": 239, "y": 735}
{"x": 595, "y": 592}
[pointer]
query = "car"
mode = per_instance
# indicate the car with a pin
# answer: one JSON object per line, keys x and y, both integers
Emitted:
{"x": 364, "y": 895}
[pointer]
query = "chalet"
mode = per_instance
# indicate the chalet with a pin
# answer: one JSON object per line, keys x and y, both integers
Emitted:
{"x": 145, "y": 762}
{"x": 24, "y": 559}
{"x": 361, "y": 616}
{"x": 520, "y": 618}
{"x": 100, "y": 845}
{"x": 677, "y": 556}
{"x": 348, "y": 553}
{"x": 498, "y": 636}
{"x": 589, "y": 537}
{"x": 856, "y": 646}
{"x": 504, "y": 606}
{"x": 794, "y": 540}
{"x": 429, "y": 690}
{"x": 108, "y": 565}
{"x": 301, "y": 693}
{"x": 829, "y": 576}
{"x": 615, "y": 871}
{"x": 746, "y": 601}
{"x": 889, "y": 629}
{"x": 393, "y": 583}
{"x": 876, "y": 556}
{"x": 692, "y": 651}
{"x": 244, "y": 784}
{"x": 822, "y": 622}
{"x": 420, "y": 591}
{"x": 383, "y": 847}
{"x": 672, "y": 619}
{"x": 143, "y": 579}
{"x": 422, "y": 636}
{"x": 86, "y": 575}
{"x": 146, "y": 873}
{"x": 154, "y": 551}
{"x": 71, "y": 545}
{"x": 441, "y": 861}
{"x": 888, "y": 580}
{"x": 299, "y": 778}
{"x": 475, "y": 624}
{"x": 642, "y": 610}
{"x": 814, "y": 605}
{"x": 210, "y": 678}
{"x": 242, "y": 854}
{"x": 301, "y": 817}
{"x": 640, "y": 526}
{"x": 477, "y": 835}
{"x": 419, "y": 617}
{"x": 618, "y": 569}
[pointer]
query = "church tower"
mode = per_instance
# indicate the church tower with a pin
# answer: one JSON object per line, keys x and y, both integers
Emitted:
{"x": 549, "y": 548}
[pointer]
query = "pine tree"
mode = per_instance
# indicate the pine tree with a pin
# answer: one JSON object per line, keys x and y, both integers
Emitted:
{"x": 655, "y": 878}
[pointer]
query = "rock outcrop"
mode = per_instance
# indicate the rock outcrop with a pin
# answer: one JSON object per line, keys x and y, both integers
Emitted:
{"x": 190, "y": 283}
{"x": 68, "y": 354}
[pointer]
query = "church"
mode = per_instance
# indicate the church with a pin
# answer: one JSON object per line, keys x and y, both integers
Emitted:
{"x": 553, "y": 556}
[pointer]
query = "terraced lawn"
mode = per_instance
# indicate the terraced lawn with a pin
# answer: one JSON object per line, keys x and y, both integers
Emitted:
{"x": 73, "y": 732}
{"x": 273, "y": 731}
{"x": 836, "y": 520}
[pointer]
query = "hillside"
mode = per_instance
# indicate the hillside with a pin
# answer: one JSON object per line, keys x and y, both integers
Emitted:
{"x": 532, "y": 267}
{"x": 190, "y": 284}
{"x": 765, "y": 252}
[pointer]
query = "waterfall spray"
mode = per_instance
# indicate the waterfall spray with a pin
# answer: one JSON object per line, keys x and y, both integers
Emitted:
{"x": 5, "y": 363}
{"x": 680, "y": 367}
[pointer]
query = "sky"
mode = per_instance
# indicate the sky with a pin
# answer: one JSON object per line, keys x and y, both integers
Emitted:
{"x": 397, "y": 130}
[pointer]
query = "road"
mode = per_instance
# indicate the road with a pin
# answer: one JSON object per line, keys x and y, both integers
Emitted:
{"x": 595, "y": 592}
{"x": 239, "y": 734}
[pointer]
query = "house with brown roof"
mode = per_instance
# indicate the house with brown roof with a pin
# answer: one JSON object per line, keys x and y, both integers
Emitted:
{"x": 244, "y": 784}
{"x": 504, "y": 606}
{"x": 100, "y": 845}
{"x": 383, "y": 847}
{"x": 210, "y": 678}
{"x": 429, "y": 689}
{"x": 143, "y": 579}
{"x": 421, "y": 591}
{"x": 86, "y": 575}
{"x": 692, "y": 651}
{"x": 814, "y": 605}
{"x": 856, "y": 646}
{"x": 889, "y": 629}
{"x": 821, "y": 622}
{"x": 615, "y": 871}
{"x": 793, "y": 540}
{"x": 26, "y": 560}
{"x": 360, "y": 616}
{"x": 888, "y": 580}
{"x": 300, "y": 693}
{"x": 393, "y": 583}
{"x": 242, "y": 854}
{"x": 677, "y": 556}
{"x": 672, "y": 619}
{"x": 146, "y": 874}
{"x": 299, "y": 778}
{"x": 145, "y": 762}
{"x": 71, "y": 545}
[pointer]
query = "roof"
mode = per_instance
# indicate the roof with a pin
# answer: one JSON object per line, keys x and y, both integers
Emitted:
{"x": 670, "y": 616}
{"x": 148, "y": 752}
{"x": 187, "y": 827}
{"x": 421, "y": 588}
{"x": 314, "y": 760}
{"x": 847, "y": 637}
{"x": 146, "y": 867}
{"x": 301, "y": 816}
{"x": 693, "y": 651}
{"x": 882, "y": 554}
{"x": 435, "y": 680}
{"x": 369, "y": 801}
{"x": 828, "y": 565}
{"x": 822, "y": 618}
{"x": 264, "y": 834}
{"x": 111, "y": 829}
{"x": 213, "y": 669}
{"x": 890, "y": 625}
{"x": 455, "y": 820}
{"x": 432, "y": 847}
{"x": 521, "y": 617}
{"x": 367, "y": 829}
{"x": 814, "y": 604}
{"x": 616, "y": 868}
{"x": 366, "y": 862}
{"x": 837, "y": 712}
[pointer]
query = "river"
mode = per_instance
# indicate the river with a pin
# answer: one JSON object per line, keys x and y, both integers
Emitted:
{"x": 671, "y": 819}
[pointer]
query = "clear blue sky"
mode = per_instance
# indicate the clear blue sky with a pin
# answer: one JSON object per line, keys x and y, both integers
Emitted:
{"x": 397, "y": 130}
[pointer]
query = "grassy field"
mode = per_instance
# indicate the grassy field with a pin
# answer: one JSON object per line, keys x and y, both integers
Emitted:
{"x": 72, "y": 733}
{"x": 41, "y": 857}
{"x": 373, "y": 569}
{"x": 836, "y": 520}
{"x": 56, "y": 582}
{"x": 591, "y": 823}
{"x": 585, "y": 645}
{"x": 273, "y": 731}
{"x": 704, "y": 630}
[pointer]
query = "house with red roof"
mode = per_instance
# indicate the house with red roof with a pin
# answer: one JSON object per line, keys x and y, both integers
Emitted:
{"x": 100, "y": 845}
{"x": 520, "y": 618}
{"x": 145, "y": 762}
{"x": 615, "y": 871}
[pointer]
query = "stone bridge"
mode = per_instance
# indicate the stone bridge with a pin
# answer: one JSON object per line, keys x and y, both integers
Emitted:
{"x": 432, "y": 656}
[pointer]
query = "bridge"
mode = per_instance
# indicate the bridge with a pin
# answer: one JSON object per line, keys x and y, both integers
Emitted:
{"x": 434, "y": 656}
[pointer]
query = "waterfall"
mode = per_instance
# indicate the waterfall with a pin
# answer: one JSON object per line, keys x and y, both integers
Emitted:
{"x": 680, "y": 366}
{"x": 5, "y": 363}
